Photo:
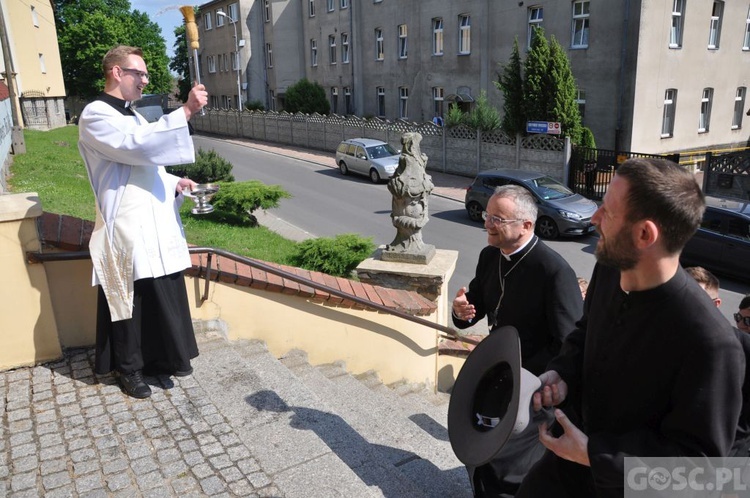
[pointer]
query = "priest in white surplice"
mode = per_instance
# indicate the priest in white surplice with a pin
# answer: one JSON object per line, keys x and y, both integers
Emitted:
{"x": 138, "y": 246}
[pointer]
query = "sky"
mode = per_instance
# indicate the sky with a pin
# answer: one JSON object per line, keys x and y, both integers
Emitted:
{"x": 165, "y": 13}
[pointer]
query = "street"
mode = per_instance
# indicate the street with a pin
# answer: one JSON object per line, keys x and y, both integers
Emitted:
{"x": 324, "y": 203}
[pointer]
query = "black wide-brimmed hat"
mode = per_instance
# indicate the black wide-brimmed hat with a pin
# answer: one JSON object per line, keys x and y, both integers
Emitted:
{"x": 485, "y": 406}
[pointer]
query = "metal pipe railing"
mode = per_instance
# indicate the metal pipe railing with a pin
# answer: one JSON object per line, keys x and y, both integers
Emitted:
{"x": 447, "y": 332}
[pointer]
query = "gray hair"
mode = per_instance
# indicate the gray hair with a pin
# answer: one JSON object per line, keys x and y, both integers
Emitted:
{"x": 526, "y": 208}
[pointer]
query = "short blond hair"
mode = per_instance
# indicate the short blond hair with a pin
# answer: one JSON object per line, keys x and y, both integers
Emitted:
{"x": 117, "y": 56}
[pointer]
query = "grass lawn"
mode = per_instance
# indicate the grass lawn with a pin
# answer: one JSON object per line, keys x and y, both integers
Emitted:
{"x": 53, "y": 168}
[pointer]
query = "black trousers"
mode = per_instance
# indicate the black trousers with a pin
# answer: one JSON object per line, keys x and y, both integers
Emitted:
{"x": 159, "y": 336}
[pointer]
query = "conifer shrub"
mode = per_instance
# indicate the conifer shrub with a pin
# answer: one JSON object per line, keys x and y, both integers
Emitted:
{"x": 209, "y": 167}
{"x": 337, "y": 256}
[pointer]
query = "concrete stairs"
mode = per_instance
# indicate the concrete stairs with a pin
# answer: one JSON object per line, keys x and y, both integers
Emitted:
{"x": 321, "y": 432}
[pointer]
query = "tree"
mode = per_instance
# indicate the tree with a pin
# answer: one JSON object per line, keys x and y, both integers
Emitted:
{"x": 307, "y": 97}
{"x": 536, "y": 81}
{"x": 510, "y": 82}
{"x": 87, "y": 29}
{"x": 564, "y": 107}
{"x": 180, "y": 64}
{"x": 483, "y": 116}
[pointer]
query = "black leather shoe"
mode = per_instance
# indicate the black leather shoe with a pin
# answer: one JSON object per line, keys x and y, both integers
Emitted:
{"x": 133, "y": 385}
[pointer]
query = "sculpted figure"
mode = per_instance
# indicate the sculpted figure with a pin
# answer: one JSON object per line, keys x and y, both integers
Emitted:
{"x": 410, "y": 187}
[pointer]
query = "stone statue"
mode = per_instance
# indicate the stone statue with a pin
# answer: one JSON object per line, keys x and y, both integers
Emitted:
{"x": 410, "y": 187}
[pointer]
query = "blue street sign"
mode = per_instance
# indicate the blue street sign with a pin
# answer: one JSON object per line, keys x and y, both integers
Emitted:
{"x": 536, "y": 127}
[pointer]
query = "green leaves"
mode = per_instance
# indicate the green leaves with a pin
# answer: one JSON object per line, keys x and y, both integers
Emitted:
{"x": 87, "y": 29}
{"x": 338, "y": 256}
{"x": 307, "y": 97}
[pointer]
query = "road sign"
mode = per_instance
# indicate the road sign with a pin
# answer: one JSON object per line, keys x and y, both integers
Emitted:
{"x": 549, "y": 127}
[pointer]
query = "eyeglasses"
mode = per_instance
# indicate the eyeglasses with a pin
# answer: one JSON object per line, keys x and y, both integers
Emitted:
{"x": 742, "y": 319}
{"x": 140, "y": 74}
{"x": 496, "y": 220}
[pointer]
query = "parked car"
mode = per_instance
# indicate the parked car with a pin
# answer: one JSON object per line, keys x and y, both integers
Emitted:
{"x": 561, "y": 212}
{"x": 722, "y": 243}
{"x": 366, "y": 156}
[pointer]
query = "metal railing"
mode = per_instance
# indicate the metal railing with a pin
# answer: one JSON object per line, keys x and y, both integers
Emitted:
{"x": 445, "y": 332}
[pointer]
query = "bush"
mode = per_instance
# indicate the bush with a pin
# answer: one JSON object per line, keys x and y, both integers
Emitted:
{"x": 455, "y": 116}
{"x": 209, "y": 167}
{"x": 483, "y": 116}
{"x": 240, "y": 199}
{"x": 587, "y": 138}
{"x": 254, "y": 105}
{"x": 338, "y": 256}
{"x": 306, "y": 96}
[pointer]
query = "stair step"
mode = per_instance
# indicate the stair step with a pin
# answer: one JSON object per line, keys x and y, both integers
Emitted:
{"x": 424, "y": 456}
{"x": 297, "y": 438}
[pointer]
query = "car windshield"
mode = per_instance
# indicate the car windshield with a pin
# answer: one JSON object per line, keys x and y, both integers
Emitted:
{"x": 378, "y": 151}
{"x": 549, "y": 189}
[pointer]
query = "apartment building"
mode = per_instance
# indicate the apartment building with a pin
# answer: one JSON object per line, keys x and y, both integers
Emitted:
{"x": 34, "y": 59}
{"x": 653, "y": 76}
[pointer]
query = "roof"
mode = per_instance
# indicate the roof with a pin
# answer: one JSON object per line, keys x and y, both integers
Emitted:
{"x": 516, "y": 174}
{"x": 365, "y": 142}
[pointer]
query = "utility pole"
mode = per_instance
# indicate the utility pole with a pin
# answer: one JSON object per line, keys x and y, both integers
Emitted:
{"x": 17, "y": 141}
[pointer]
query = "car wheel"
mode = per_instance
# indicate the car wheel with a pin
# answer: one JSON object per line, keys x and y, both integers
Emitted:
{"x": 374, "y": 176}
{"x": 547, "y": 228}
{"x": 342, "y": 167}
{"x": 475, "y": 211}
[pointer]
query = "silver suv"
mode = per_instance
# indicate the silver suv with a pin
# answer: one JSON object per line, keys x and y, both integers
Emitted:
{"x": 366, "y": 156}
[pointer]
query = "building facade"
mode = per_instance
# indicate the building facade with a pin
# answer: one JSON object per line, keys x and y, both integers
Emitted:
{"x": 653, "y": 76}
{"x": 34, "y": 58}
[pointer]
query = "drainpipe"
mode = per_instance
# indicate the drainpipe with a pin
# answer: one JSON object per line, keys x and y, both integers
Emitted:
{"x": 17, "y": 140}
{"x": 621, "y": 92}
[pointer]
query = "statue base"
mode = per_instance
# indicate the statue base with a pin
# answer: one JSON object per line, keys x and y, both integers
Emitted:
{"x": 422, "y": 257}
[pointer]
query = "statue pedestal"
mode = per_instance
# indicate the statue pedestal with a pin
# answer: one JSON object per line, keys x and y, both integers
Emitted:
{"x": 430, "y": 280}
{"x": 420, "y": 258}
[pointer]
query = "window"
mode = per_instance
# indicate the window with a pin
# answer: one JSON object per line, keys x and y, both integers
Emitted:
{"x": 207, "y": 24}
{"x": 313, "y": 53}
{"x": 345, "y": 48}
{"x": 670, "y": 106}
{"x": 234, "y": 13}
{"x": 437, "y": 36}
{"x": 381, "y": 101}
{"x": 311, "y": 7}
{"x": 678, "y": 20}
{"x": 464, "y": 34}
{"x": 225, "y": 102}
{"x": 705, "y": 118}
{"x": 746, "y": 40}
{"x": 42, "y": 65}
{"x": 379, "y": 54}
{"x": 267, "y": 10}
{"x": 211, "y": 59}
{"x": 331, "y": 4}
{"x": 402, "y": 48}
{"x": 536, "y": 16}
{"x": 334, "y": 100}
{"x": 580, "y": 24}
{"x": 269, "y": 55}
{"x": 739, "y": 107}
{"x": 581, "y": 101}
{"x": 376, "y": 1}
{"x": 344, "y": 4}
{"x": 438, "y": 98}
{"x": 714, "y": 31}
{"x": 348, "y": 100}
{"x": 34, "y": 16}
{"x": 235, "y": 61}
{"x": 219, "y": 19}
{"x": 332, "y": 49}
{"x": 214, "y": 101}
{"x": 403, "y": 102}
{"x": 225, "y": 65}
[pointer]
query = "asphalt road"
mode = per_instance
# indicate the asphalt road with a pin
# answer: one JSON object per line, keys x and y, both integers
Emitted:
{"x": 324, "y": 203}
